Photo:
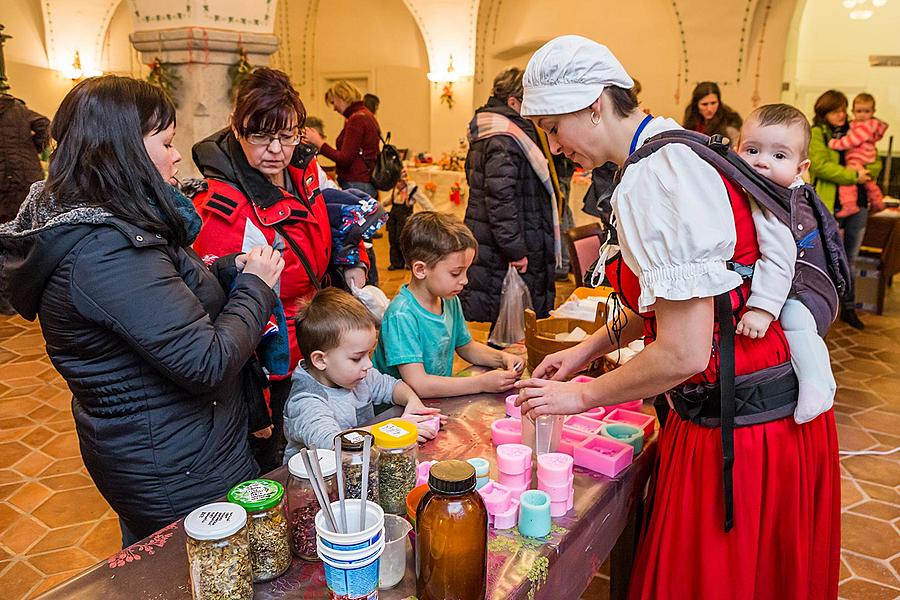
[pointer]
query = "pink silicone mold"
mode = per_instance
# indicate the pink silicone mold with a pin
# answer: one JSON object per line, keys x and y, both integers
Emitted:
{"x": 584, "y": 424}
{"x": 554, "y": 468}
{"x": 558, "y": 493}
{"x": 516, "y": 490}
{"x": 519, "y": 480}
{"x": 638, "y": 419}
{"x": 595, "y": 413}
{"x": 514, "y": 458}
{"x": 569, "y": 439}
{"x": 512, "y": 410}
{"x": 582, "y": 379}
{"x": 496, "y": 497}
{"x": 506, "y": 431}
{"x": 604, "y": 456}
{"x": 507, "y": 518}
{"x": 630, "y": 405}
{"x": 422, "y": 471}
{"x": 558, "y": 509}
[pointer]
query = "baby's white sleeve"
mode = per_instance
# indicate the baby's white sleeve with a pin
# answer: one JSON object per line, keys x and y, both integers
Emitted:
{"x": 774, "y": 271}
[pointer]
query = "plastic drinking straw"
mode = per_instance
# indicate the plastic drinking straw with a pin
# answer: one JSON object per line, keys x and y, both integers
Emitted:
{"x": 307, "y": 462}
{"x": 340, "y": 483}
{"x": 364, "y": 491}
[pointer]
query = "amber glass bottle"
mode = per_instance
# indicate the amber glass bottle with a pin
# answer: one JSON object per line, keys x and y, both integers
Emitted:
{"x": 451, "y": 536}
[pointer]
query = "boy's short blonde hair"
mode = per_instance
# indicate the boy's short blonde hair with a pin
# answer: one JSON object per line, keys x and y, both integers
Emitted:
{"x": 430, "y": 237}
{"x": 344, "y": 90}
{"x": 328, "y": 316}
{"x": 783, "y": 114}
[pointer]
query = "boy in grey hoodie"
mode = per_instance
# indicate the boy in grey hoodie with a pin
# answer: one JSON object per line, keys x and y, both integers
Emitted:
{"x": 335, "y": 387}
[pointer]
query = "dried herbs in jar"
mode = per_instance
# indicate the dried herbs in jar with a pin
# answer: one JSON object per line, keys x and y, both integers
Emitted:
{"x": 351, "y": 443}
{"x": 302, "y": 503}
{"x": 398, "y": 452}
{"x": 218, "y": 549}
{"x": 270, "y": 553}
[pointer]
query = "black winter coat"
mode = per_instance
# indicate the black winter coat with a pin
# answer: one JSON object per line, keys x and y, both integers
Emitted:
{"x": 23, "y": 135}
{"x": 510, "y": 215}
{"x": 153, "y": 350}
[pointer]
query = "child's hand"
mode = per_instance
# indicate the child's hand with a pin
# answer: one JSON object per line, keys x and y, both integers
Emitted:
{"x": 754, "y": 323}
{"x": 513, "y": 363}
{"x": 498, "y": 380}
{"x": 263, "y": 434}
{"x": 422, "y": 418}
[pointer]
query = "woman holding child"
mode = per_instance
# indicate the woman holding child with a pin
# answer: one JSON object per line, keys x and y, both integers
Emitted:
{"x": 678, "y": 221}
{"x": 263, "y": 190}
{"x": 150, "y": 342}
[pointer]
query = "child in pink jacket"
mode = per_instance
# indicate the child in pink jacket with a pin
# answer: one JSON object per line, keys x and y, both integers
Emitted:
{"x": 859, "y": 147}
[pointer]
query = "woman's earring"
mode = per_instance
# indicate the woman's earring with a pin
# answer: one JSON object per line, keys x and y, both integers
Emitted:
{"x": 595, "y": 118}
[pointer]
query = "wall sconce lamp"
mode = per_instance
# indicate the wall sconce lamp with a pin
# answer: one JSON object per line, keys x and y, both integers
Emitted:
{"x": 448, "y": 76}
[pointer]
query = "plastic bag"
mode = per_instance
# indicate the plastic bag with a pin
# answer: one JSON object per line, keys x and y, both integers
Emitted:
{"x": 373, "y": 299}
{"x": 514, "y": 299}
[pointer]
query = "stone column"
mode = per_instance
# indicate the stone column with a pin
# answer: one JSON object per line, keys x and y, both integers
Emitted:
{"x": 201, "y": 58}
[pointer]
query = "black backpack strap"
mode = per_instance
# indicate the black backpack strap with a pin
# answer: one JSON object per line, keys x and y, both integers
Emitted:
{"x": 310, "y": 273}
{"x": 726, "y": 399}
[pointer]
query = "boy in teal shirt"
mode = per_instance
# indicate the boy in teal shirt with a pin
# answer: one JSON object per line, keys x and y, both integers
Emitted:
{"x": 424, "y": 324}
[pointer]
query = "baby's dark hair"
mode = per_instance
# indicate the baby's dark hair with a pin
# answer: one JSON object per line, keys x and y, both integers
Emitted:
{"x": 329, "y": 315}
{"x": 783, "y": 114}
{"x": 430, "y": 236}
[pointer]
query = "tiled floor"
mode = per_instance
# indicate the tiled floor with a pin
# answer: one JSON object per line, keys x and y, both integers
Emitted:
{"x": 53, "y": 523}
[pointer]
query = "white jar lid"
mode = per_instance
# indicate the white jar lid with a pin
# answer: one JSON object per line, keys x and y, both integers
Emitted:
{"x": 215, "y": 521}
{"x": 327, "y": 463}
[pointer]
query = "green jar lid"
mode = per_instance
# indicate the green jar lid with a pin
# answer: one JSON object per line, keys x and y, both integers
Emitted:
{"x": 257, "y": 494}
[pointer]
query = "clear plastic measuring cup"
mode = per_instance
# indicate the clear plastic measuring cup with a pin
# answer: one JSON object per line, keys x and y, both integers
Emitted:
{"x": 396, "y": 551}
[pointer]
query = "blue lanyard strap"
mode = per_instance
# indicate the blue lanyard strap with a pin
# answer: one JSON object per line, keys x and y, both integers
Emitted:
{"x": 637, "y": 133}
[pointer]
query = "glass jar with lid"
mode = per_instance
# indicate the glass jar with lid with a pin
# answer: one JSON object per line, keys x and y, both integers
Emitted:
{"x": 398, "y": 454}
{"x": 302, "y": 503}
{"x": 218, "y": 550}
{"x": 270, "y": 552}
{"x": 352, "y": 442}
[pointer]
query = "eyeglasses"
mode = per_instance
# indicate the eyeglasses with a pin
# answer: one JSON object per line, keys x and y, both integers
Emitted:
{"x": 264, "y": 139}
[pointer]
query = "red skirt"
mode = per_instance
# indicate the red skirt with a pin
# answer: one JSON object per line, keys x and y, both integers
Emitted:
{"x": 786, "y": 539}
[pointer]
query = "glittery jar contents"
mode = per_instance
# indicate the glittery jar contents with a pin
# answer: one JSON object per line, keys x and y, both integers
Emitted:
{"x": 351, "y": 443}
{"x": 263, "y": 499}
{"x": 398, "y": 452}
{"x": 218, "y": 550}
{"x": 302, "y": 503}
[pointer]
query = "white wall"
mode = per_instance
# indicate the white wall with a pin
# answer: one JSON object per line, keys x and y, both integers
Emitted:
{"x": 833, "y": 53}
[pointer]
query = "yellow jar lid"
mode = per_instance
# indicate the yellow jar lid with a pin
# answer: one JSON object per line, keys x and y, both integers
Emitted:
{"x": 395, "y": 433}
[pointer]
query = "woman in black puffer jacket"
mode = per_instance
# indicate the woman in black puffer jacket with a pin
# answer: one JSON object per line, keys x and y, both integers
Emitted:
{"x": 147, "y": 338}
{"x": 509, "y": 211}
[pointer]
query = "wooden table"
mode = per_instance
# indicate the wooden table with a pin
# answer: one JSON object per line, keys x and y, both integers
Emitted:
{"x": 882, "y": 242}
{"x": 559, "y": 566}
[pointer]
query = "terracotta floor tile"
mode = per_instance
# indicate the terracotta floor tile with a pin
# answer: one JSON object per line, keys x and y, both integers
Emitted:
{"x": 63, "y": 466}
{"x": 18, "y": 579}
{"x": 58, "y": 561}
{"x": 51, "y": 582}
{"x": 62, "y": 446}
{"x": 851, "y": 437}
{"x": 858, "y": 589}
{"x": 104, "y": 540}
{"x": 67, "y": 482}
{"x": 63, "y": 537}
{"x": 38, "y": 437}
{"x": 15, "y": 405}
{"x": 22, "y": 369}
{"x": 7, "y": 489}
{"x": 63, "y": 426}
{"x": 8, "y": 516}
{"x": 878, "y": 420}
{"x": 878, "y": 510}
{"x": 9, "y": 476}
{"x": 858, "y": 398}
{"x": 33, "y": 464}
{"x": 23, "y": 534}
{"x": 15, "y": 423}
{"x": 850, "y": 492}
{"x": 875, "y": 570}
{"x": 880, "y": 492}
{"x": 884, "y": 471}
{"x": 12, "y": 452}
{"x": 870, "y": 537}
{"x": 71, "y": 506}
{"x": 29, "y": 496}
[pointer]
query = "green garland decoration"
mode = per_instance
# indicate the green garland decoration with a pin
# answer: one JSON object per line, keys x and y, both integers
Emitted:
{"x": 164, "y": 78}
{"x": 238, "y": 72}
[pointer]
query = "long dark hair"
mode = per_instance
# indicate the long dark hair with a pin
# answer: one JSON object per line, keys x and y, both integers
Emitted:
{"x": 724, "y": 117}
{"x": 829, "y": 101}
{"x": 100, "y": 159}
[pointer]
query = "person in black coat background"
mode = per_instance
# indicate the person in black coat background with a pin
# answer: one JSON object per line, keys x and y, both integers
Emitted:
{"x": 509, "y": 212}
{"x": 23, "y": 135}
{"x": 149, "y": 341}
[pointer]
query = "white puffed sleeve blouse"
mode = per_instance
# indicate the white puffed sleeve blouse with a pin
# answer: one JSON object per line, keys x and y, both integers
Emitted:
{"x": 674, "y": 223}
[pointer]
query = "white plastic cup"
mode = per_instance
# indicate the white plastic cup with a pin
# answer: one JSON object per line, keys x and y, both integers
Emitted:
{"x": 357, "y": 578}
{"x": 355, "y": 539}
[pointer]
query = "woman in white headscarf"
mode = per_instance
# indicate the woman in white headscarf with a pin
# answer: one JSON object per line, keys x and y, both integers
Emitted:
{"x": 762, "y": 519}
